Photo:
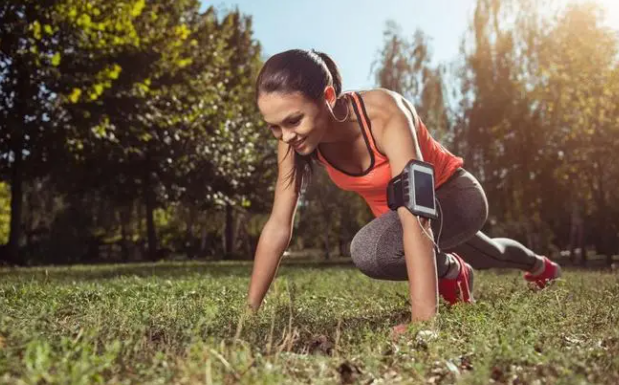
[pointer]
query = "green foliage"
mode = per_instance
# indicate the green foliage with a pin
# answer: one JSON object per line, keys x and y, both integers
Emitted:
{"x": 538, "y": 118}
{"x": 144, "y": 101}
{"x": 328, "y": 218}
{"x": 181, "y": 323}
{"x": 403, "y": 66}
{"x": 126, "y": 110}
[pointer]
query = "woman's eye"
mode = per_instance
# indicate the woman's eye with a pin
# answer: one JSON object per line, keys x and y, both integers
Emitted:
{"x": 295, "y": 122}
{"x": 275, "y": 131}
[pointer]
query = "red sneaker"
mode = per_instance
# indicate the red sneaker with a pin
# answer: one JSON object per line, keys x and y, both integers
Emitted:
{"x": 551, "y": 272}
{"x": 459, "y": 289}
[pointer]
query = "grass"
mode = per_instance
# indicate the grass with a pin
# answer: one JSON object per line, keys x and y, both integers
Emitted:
{"x": 180, "y": 323}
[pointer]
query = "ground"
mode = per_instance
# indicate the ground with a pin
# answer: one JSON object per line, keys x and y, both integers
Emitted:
{"x": 181, "y": 323}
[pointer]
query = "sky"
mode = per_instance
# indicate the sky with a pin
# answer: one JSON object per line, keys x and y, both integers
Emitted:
{"x": 351, "y": 31}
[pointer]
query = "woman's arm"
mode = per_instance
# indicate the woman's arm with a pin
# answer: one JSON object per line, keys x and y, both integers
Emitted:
{"x": 399, "y": 141}
{"x": 277, "y": 232}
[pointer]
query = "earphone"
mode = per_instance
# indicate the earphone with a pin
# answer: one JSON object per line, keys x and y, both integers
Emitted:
{"x": 440, "y": 228}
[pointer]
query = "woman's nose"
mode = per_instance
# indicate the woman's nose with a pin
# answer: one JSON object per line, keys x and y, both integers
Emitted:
{"x": 289, "y": 136}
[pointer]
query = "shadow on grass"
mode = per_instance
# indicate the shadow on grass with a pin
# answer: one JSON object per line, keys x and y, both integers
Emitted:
{"x": 166, "y": 270}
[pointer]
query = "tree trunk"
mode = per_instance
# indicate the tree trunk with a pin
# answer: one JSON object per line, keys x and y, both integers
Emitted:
{"x": 189, "y": 243}
{"x": 239, "y": 221}
{"x": 124, "y": 242}
{"x": 583, "y": 246}
{"x": 17, "y": 196}
{"x": 326, "y": 241}
{"x": 229, "y": 231}
{"x": 150, "y": 218}
{"x": 576, "y": 233}
{"x": 141, "y": 214}
{"x": 343, "y": 247}
{"x": 242, "y": 240}
{"x": 203, "y": 240}
{"x": 605, "y": 232}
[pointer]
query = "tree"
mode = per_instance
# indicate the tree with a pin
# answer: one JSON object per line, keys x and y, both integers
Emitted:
{"x": 538, "y": 117}
{"x": 404, "y": 66}
{"x": 162, "y": 129}
{"x": 28, "y": 57}
{"x": 329, "y": 215}
{"x": 135, "y": 98}
{"x": 577, "y": 94}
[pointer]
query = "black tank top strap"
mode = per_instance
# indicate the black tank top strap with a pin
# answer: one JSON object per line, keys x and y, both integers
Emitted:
{"x": 362, "y": 115}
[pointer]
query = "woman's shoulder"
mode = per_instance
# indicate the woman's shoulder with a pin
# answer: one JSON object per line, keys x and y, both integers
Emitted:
{"x": 381, "y": 103}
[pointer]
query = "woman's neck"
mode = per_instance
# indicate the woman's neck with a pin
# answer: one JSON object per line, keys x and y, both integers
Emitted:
{"x": 341, "y": 132}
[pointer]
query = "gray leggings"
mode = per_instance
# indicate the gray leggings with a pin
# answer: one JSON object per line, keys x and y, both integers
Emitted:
{"x": 378, "y": 250}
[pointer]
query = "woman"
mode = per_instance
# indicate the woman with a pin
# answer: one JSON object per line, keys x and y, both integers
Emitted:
{"x": 363, "y": 139}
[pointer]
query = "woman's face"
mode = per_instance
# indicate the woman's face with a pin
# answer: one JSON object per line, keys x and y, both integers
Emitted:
{"x": 294, "y": 119}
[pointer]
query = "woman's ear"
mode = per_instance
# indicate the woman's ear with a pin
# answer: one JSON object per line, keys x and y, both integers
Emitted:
{"x": 330, "y": 95}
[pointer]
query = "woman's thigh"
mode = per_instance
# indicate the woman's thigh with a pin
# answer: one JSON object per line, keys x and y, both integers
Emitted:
{"x": 377, "y": 249}
{"x": 463, "y": 210}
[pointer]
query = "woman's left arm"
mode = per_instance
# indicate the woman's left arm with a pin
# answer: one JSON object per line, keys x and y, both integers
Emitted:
{"x": 399, "y": 141}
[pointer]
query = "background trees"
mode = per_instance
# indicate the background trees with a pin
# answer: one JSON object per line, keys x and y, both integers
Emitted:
{"x": 128, "y": 130}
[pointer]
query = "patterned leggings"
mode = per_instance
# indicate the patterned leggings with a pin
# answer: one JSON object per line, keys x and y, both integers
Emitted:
{"x": 378, "y": 250}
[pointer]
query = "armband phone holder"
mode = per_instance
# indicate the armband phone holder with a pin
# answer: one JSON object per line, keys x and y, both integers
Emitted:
{"x": 414, "y": 189}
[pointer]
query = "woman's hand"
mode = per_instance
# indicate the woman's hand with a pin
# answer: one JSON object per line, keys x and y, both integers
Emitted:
{"x": 425, "y": 335}
{"x": 252, "y": 308}
{"x": 399, "y": 330}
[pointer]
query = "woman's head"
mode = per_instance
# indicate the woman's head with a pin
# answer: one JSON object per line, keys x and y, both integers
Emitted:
{"x": 296, "y": 91}
{"x": 296, "y": 70}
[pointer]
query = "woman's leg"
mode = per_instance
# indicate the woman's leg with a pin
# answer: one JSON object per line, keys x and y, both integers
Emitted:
{"x": 377, "y": 249}
{"x": 465, "y": 207}
{"x": 483, "y": 252}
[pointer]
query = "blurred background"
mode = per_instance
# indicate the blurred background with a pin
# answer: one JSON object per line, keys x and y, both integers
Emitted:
{"x": 129, "y": 132}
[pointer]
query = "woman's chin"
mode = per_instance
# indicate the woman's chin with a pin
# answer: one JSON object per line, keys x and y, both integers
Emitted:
{"x": 303, "y": 150}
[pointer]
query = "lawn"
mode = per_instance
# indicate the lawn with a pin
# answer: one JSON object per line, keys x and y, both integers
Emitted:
{"x": 181, "y": 323}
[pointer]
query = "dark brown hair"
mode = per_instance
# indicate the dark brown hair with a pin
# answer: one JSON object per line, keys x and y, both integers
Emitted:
{"x": 307, "y": 72}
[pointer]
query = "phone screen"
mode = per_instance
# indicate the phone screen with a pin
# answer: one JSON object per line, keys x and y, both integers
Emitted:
{"x": 424, "y": 190}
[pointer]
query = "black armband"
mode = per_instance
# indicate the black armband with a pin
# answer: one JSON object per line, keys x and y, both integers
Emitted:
{"x": 414, "y": 189}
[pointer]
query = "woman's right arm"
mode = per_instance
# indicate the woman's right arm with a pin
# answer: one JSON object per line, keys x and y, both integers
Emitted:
{"x": 277, "y": 232}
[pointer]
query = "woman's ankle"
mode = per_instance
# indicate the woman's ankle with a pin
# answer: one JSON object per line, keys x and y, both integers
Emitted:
{"x": 539, "y": 266}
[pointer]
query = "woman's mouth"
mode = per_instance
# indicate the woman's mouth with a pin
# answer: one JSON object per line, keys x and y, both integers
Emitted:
{"x": 298, "y": 144}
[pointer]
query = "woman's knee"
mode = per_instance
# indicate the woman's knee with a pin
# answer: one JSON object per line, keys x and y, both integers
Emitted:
{"x": 374, "y": 247}
{"x": 465, "y": 209}
{"x": 362, "y": 250}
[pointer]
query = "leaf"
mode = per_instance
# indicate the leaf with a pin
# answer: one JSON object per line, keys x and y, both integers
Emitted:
{"x": 184, "y": 62}
{"x": 75, "y": 95}
{"x": 56, "y": 59}
{"x": 99, "y": 131}
{"x": 182, "y": 31}
{"x": 36, "y": 30}
{"x": 84, "y": 20}
{"x": 137, "y": 8}
{"x": 115, "y": 71}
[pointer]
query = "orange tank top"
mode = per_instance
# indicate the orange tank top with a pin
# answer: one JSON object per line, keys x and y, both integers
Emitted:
{"x": 371, "y": 184}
